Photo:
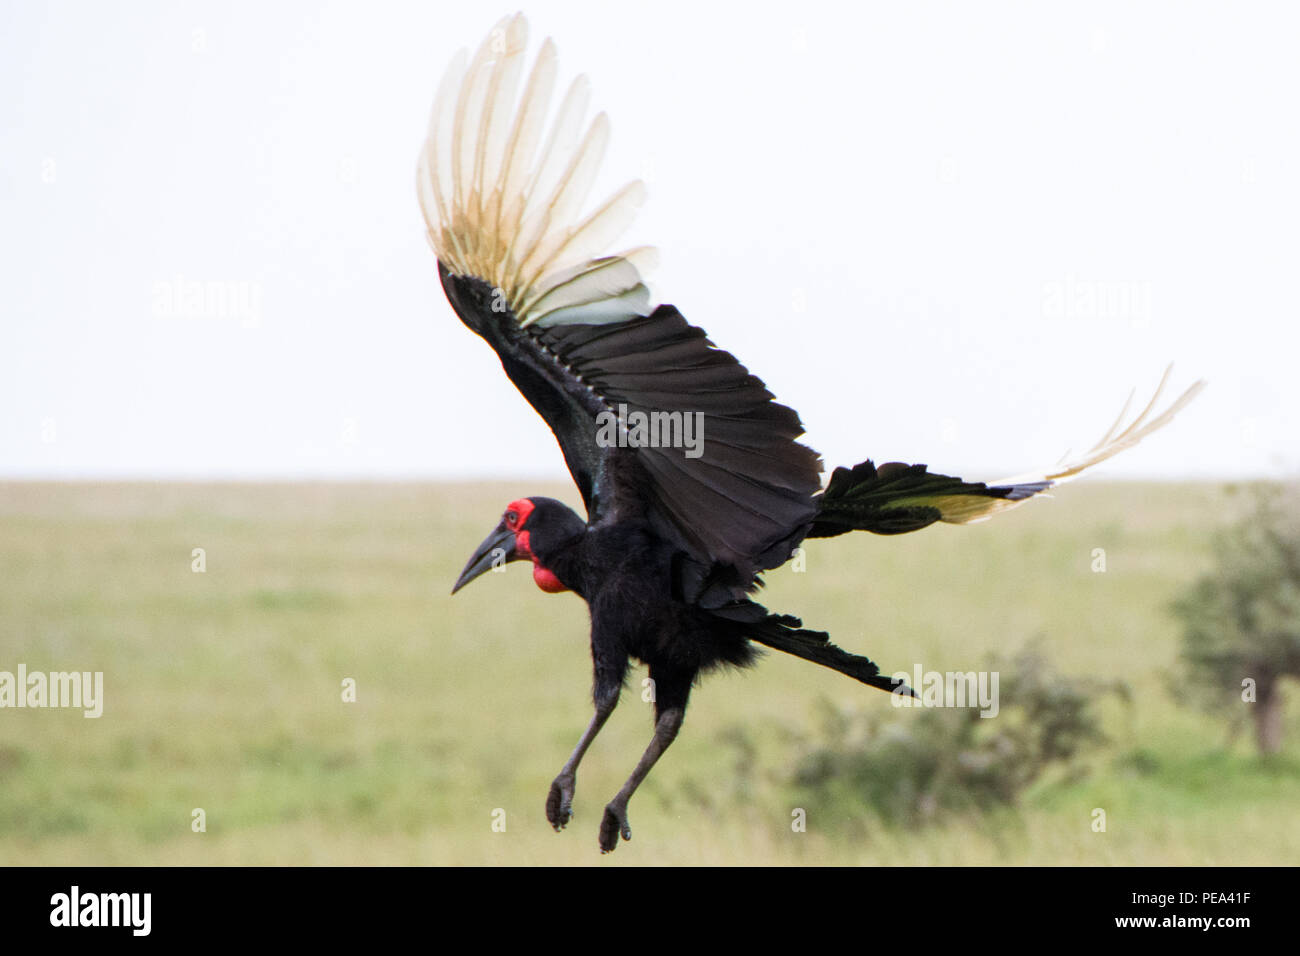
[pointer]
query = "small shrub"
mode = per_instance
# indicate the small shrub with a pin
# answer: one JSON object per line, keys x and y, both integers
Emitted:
{"x": 914, "y": 766}
{"x": 1241, "y": 621}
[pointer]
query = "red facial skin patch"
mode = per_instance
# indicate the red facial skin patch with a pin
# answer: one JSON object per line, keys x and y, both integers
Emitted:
{"x": 542, "y": 577}
{"x": 545, "y": 580}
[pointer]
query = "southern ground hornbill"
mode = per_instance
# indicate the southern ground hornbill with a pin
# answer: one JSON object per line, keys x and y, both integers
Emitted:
{"x": 691, "y": 474}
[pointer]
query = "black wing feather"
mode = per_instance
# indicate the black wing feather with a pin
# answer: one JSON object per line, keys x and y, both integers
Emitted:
{"x": 896, "y": 498}
{"x": 736, "y": 509}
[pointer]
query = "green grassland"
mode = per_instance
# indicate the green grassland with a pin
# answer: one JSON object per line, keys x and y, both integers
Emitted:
{"x": 223, "y": 688}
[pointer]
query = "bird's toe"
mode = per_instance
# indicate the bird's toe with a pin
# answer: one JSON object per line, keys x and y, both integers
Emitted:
{"x": 613, "y": 825}
{"x": 559, "y": 803}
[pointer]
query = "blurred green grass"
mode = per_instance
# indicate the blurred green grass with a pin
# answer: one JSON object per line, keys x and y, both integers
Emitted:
{"x": 223, "y": 689}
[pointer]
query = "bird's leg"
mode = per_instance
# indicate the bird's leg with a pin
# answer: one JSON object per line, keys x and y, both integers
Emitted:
{"x": 671, "y": 692}
{"x": 610, "y": 664}
{"x": 615, "y": 822}
{"x": 559, "y": 802}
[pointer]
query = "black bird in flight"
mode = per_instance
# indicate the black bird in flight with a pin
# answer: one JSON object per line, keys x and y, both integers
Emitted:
{"x": 692, "y": 476}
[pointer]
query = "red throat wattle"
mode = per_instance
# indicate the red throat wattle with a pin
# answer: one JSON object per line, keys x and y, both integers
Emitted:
{"x": 544, "y": 578}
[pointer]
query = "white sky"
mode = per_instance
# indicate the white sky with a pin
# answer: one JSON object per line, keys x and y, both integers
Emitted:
{"x": 946, "y": 188}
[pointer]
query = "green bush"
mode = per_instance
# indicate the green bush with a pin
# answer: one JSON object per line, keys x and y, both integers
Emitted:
{"x": 914, "y": 766}
{"x": 1241, "y": 621}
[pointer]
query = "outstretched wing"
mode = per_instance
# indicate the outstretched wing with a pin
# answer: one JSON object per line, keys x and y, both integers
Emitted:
{"x": 652, "y": 419}
{"x": 896, "y": 498}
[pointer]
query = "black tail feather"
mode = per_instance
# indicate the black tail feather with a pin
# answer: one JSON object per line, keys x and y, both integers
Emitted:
{"x": 784, "y": 632}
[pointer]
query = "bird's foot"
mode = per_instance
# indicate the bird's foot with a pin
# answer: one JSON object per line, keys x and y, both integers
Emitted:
{"x": 559, "y": 802}
{"x": 613, "y": 825}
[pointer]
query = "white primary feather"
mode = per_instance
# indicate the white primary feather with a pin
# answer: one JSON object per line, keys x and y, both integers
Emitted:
{"x": 498, "y": 209}
{"x": 1110, "y": 445}
{"x": 958, "y": 508}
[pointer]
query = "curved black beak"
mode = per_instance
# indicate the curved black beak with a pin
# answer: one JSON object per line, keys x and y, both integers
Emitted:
{"x": 496, "y": 551}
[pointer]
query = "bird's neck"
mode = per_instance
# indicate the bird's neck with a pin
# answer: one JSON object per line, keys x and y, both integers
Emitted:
{"x": 560, "y": 566}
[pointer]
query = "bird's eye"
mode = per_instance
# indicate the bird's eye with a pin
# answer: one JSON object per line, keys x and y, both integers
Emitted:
{"x": 511, "y": 518}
